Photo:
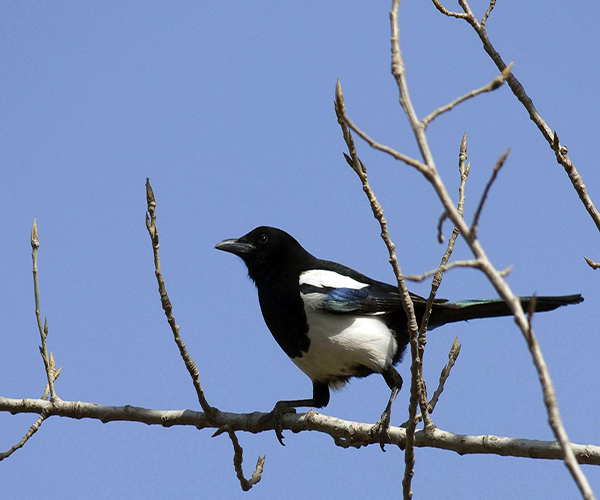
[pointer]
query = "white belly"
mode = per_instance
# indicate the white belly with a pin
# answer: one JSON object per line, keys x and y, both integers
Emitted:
{"x": 340, "y": 343}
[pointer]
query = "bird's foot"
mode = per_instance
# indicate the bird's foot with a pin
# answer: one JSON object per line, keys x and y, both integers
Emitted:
{"x": 275, "y": 416}
{"x": 380, "y": 429}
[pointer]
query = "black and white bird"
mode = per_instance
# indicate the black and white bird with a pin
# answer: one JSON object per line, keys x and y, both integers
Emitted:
{"x": 335, "y": 323}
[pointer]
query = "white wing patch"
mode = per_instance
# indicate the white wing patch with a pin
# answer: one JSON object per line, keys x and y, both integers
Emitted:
{"x": 322, "y": 278}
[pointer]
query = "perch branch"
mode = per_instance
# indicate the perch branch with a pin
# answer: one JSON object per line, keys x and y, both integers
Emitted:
{"x": 343, "y": 432}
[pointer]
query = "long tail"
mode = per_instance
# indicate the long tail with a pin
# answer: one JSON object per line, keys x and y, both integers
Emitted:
{"x": 450, "y": 312}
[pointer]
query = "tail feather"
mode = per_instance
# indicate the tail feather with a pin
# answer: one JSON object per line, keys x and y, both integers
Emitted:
{"x": 450, "y": 312}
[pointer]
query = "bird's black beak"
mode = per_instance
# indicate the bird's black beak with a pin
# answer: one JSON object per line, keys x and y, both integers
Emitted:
{"x": 236, "y": 247}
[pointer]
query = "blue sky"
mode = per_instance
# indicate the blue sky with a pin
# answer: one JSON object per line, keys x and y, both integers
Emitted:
{"x": 228, "y": 108}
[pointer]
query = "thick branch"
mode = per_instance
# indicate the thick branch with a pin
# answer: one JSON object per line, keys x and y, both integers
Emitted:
{"x": 345, "y": 433}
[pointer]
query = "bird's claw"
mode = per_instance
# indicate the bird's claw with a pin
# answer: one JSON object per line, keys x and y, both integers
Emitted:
{"x": 380, "y": 429}
{"x": 276, "y": 416}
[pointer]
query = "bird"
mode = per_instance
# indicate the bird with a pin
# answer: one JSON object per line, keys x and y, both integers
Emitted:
{"x": 335, "y": 323}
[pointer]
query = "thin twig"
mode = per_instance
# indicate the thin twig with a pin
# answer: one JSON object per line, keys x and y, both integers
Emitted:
{"x": 446, "y": 12}
{"x": 416, "y": 386}
{"x": 238, "y": 458}
{"x": 493, "y": 85}
{"x": 56, "y": 375}
{"x": 382, "y": 147}
{"x": 452, "y": 356}
{"x": 591, "y": 263}
{"x": 440, "y": 226}
{"x": 361, "y": 171}
{"x": 491, "y": 272}
{"x": 518, "y": 90}
{"x": 486, "y": 190}
{"x": 32, "y": 430}
{"x": 43, "y": 329}
{"x": 166, "y": 303}
{"x": 488, "y": 12}
{"x": 437, "y": 280}
{"x": 418, "y": 278}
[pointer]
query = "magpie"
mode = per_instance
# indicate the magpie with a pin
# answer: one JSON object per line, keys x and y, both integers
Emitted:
{"x": 336, "y": 323}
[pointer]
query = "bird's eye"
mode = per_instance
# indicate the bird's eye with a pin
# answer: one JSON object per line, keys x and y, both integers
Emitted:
{"x": 263, "y": 238}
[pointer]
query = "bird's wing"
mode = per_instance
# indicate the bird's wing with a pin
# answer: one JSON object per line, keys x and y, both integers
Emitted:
{"x": 338, "y": 289}
{"x": 370, "y": 299}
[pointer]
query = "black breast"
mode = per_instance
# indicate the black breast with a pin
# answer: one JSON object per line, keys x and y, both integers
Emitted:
{"x": 283, "y": 311}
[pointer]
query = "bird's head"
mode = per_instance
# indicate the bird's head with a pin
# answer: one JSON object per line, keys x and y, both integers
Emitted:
{"x": 265, "y": 251}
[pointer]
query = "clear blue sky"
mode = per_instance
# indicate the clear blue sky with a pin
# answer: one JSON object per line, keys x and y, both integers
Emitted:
{"x": 228, "y": 108}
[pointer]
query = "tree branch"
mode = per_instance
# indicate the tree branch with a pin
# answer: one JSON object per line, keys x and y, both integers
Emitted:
{"x": 344, "y": 432}
{"x": 238, "y": 458}
{"x": 493, "y": 85}
{"x": 166, "y": 303}
{"x": 48, "y": 362}
{"x": 493, "y": 275}
{"x": 518, "y": 90}
{"x": 407, "y": 304}
{"x": 32, "y": 430}
{"x": 486, "y": 190}
{"x": 452, "y": 357}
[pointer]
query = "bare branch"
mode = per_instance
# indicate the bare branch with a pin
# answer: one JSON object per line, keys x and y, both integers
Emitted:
{"x": 416, "y": 394}
{"x": 166, "y": 303}
{"x": 32, "y": 430}
{"x": 43, "y": 414}
{"x": 35, "y": 245}
{"x": 446, "y": 12}
{"x": 517, "y": 88}
{"x": 475, "y": 264}
{"x": 56, "y": 375}
{"x": 452, "y": 356}
{"x": 375, "y": 145}
{"x": 351, "y": 433}
{"x": 488, "y": 12}
{"x": 440, "y": 226}
{"x": 238, "y": 458}
{"x": 493, "y": 274}
{"x": 407, "y": 304}
{"x": 484, "y": 195}
{"x": 493, "y": 85}
{"x": 437, "y": 281}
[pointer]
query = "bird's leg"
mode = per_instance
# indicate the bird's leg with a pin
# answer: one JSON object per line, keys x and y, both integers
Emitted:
{"x": 319, "y": 400}
{"x": 394, "y": 382}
